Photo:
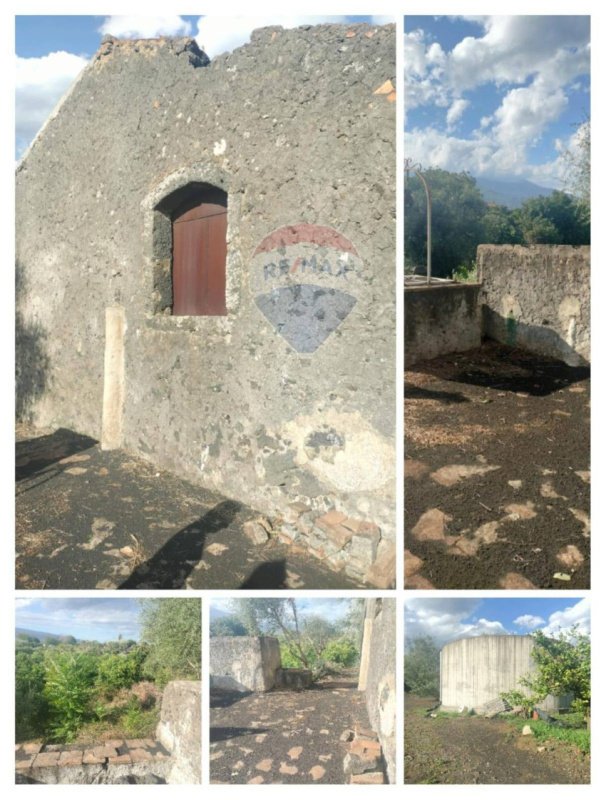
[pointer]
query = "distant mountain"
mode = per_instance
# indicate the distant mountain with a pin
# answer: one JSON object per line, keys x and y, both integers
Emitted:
{"x": 509, "y": 192}
{"x": 217, "y": 613}
{"x": 43, "y": 635}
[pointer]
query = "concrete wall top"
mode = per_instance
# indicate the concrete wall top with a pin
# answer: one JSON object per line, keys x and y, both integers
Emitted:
{"x": 244, "y": 663}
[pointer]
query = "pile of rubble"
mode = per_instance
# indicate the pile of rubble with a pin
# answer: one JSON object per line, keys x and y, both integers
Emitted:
{"x": 363, "y": 762}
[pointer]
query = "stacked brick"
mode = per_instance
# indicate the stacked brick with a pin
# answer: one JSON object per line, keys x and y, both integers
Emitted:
{"x": 31, "y": 756}
{"x": 363, "y": 763}
{"x": 341, "y": 542}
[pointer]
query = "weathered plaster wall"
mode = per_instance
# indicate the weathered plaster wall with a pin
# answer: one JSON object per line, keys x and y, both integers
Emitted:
{"x": 244, "y": 663}
{"x": 180, "y": 730}
{"x": 440, "y": 319}
{"x": 291, "y": 126}
{"x": 538, "y": 298}
{"x": 380, "y": 675}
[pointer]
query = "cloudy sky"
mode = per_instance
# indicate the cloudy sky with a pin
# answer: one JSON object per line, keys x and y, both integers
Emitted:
{"x": 332, "y": 610}
{"x": 52, "y": 50}
{"x": 450, "y": 618}
{"x": 496, "y": 95}
{"x": 85, "y": 618}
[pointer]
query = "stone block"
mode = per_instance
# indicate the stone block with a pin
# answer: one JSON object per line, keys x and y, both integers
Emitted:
{"x": 46, "y": 759}
{"x": 382, "y": 573}
{"x": 31, "y": 748}
{"x": 326, "y": 521}
{"x": 70, "y": 758}
{"x": 123, "y": 759}
{"x": 362, "y": 756}
{"x": 90, "y": 758}
{"x": 103, "y": 751}
{"x": 256, "y": 532}
{"x": 368, "y": 778}
{"x": 140, "y": 754}
{"x": 339, "y": 535}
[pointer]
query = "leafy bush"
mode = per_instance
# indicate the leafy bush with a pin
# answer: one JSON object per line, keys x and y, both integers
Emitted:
{"x": 172, "y": 629}
{"x": 120, "y": 671}
{"x": 30, "y": 702}
{"x": 342, "y": 652}
{"x": 69, "y": 690}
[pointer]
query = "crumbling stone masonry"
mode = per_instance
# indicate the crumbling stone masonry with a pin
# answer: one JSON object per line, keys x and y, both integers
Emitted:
{"x": 172, "y": 757}
{"x": 252, "y": 664}
{"x": 286, "y": 401}
{"x": 538, "y": 298}
{"x": 378, "y": 681}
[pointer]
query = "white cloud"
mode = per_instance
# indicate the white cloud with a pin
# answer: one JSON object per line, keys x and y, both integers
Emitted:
{"x": 139, "y": 27}
{"x": 40, "y": 84}
{"x": 218, "y": 35}
{"x": 528, "y": 621}
{"x": 443, "y": 620}
{"x": 456, "y": 111}
{"x": 531, "y": 61}
{"x": 77, "y": 616}
{"x": 578, "y": 614}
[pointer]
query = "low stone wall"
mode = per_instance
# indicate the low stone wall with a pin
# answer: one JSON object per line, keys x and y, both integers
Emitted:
{"x": 440, "y": 319}
{"x": 244, "y": 663}
{"x": 538, "y": 298}
{"x": 180, "y": 730}
{"x": 378, "y": 675}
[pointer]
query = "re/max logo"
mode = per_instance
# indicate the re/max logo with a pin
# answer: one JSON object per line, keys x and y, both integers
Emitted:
{"x": 312, "y": 265}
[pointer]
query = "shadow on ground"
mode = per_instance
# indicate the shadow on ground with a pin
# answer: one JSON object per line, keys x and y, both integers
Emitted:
{"x": 284, "y": 736}
{"x": 93, "y": 519}
{"x": 497, "y": 482}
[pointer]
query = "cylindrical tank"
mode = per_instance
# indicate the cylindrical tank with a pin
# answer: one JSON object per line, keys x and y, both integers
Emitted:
{"x": 475, "y": 671}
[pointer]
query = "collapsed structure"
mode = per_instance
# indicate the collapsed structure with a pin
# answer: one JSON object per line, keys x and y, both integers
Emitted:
{"x": 205, "y": 274}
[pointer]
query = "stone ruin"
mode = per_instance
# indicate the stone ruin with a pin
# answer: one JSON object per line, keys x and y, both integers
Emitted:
{"x": 283, "y": 398}
{"x": 172, "y": 757}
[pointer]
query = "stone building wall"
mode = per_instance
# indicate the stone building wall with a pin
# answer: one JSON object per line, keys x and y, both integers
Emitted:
{"x": 378, "y": 675}
{"x": 440, "y": 319}
{"x": 244, "y": 663}
{"x": 180, "y": 730}
{"x": 538, "y": 298}
{"x": 289, "y": 398}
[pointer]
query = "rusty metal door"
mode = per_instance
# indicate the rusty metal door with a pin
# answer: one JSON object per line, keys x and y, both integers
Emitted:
{"x": 199, "y": 258}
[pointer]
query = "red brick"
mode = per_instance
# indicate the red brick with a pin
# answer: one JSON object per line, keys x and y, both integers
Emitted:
{"x": 90, "y": 758}
{"x": 31, "y": 748}
{"x": 330, "y": 518}
{"x": 70, "y": 758}
{"x": 364, "y": 747}
{"x": 382, "y": 574}
{"x": 103, "y": 751}
{"x": 24, "y": 762}
{"x": 368, "y": 777}
{"x": 125, "y": 759}
{"x": 338, "y": 535}
{"x": 140, "y": 754}
{"x": 46, "y": 759}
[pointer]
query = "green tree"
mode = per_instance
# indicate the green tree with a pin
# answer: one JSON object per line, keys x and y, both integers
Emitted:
{"x": 458, "y": 209}
{"x": 120, "y": 670}
{"x": 563, "y": 667}
{"x": 171, "y": 627}
{"x": 31, "y": 706}
{"x": 500, "y": 226}
{"x": 68, "y": 688}
{"x": 553, "y": 219}
{"x": 578, "y": 163}
{"x": 227, "y": 626}
{"x": 422, "y": 667}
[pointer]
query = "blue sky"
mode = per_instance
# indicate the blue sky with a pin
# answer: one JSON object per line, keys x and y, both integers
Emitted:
{"x": 333, "y": 610}
{"x": 52, "y": 50}
{"x": 451, "y": 618}
{"x": 498, "y": 96}
{"x": 102, "y": 619}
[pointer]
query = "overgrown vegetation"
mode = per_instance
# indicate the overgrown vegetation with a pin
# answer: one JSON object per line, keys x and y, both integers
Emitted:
{"x": 310, "y": 642}
{"x": 66, "y": 690}
{"x": 563, "y": 668}
{"x": 422, "y": 667}
{"x": 462, "y": 219}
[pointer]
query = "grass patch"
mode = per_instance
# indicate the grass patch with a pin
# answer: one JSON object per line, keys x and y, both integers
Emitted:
{"x": 571, "y": 733}
{"x": 131, "y": 723}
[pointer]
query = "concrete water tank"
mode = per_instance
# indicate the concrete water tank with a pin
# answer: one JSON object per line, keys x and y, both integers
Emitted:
{"x": 474, "y": 671}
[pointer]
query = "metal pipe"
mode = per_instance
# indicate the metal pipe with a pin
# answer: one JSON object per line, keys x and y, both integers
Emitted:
{"x": 409, "y": 166}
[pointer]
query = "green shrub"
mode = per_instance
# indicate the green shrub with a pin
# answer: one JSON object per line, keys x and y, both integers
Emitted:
{"x": 342, "y": 652}
{"x": 120, "y": 671}
{"x": 68, "y": 687}
{"x": 31, "y": 705}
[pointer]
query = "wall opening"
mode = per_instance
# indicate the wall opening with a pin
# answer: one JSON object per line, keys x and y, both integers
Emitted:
{"x": 190, "y": 252}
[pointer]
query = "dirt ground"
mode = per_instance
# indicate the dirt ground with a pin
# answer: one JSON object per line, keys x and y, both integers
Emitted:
{"x": 496, "y": 472}
{"x": 477, "y": 750}
{"x": 283, "y": 736}
{"x": 93, "y": 519}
